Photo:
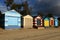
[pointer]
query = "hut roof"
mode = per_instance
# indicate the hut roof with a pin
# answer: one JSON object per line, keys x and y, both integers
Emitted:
{"x": 12, "y": 13}
{"x": 27, "y": 16}
{"x": 52, "y": 18}
{"x": 39, "y": 17}
{"x": 47, "y": 18}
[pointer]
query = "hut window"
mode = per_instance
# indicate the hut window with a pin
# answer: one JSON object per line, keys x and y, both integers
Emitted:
{"x": 38, "y": 22}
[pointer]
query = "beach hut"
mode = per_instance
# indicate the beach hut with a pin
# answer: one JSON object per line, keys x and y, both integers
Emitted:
{"x": 56, "y": 22}
{"x": 27, "y": 21}
{"x": 51, "y": 21}
{"x": 46, "y": 22}
{"x": 38, "y": 22}
{"x": 10, "y": 20}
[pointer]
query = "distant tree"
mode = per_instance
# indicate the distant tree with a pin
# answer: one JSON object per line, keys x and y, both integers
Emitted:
{"x": 59, "y": 18}
{"x": 16, "y": 6}
{"x": 9, "y": 3}
{"x": 0, "y": 12}
{"x": 59, "y": 21}
{"x": 13, "y": 6}
{"x": 49, "y": 15}
{"x": 23, "y": 13}
{"x": 30, "y": 10}
{"x": 40, "y": 13}
{"x": 26, "y": 8}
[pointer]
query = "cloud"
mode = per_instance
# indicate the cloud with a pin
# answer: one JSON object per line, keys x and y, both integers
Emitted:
{"x": 17, "y": 1}
{"x": 57, "y": 3}
{"x": 3, "y": 7}
{"x": 39, "y": 0}
{"x": 24, "y": 0}
{"x": 48, "y": 5}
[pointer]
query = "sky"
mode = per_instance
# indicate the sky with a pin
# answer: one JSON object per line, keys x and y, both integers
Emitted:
{"x": 3, "y": 7}
{"x": 44, "y": 6}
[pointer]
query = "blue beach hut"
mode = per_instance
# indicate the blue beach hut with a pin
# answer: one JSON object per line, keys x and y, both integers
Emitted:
{"x": 11, "y": 20}
{"x": 56, "y": 22}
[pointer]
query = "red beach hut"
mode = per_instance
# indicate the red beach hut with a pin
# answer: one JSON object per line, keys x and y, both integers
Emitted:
{"x": 51, "y": 21}
{"x": 38, "y": 22}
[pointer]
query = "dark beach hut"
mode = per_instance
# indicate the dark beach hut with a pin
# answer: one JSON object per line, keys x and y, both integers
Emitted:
{"x": 10, "y": 20}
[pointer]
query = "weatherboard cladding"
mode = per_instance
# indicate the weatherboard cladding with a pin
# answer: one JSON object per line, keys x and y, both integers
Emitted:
{"x": 28, "y": 21}
{"x": 12, "y": 13}
{"x": 12, "y": 20}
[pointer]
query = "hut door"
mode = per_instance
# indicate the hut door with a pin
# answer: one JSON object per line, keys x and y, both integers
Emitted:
{"x": 28, "y": 22}
{"x": 46, "y": 23}
{"x": 56, "y": 22}
{"x": 52, "y": 22}
{"x": 38, "y": 22}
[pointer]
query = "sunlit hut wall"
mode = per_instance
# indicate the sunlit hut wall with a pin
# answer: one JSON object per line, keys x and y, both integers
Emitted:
{"x": 27, "y": 21}
{"x": 51, "y": 21}
{"x": 38, "y": 21}
{"x": 56, "y": 22}
{"x": 11, "y": 20}
{"x": 46, "y": 22}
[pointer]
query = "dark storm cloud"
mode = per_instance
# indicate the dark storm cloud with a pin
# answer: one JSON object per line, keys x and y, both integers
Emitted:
{"x": 46, "y": 6}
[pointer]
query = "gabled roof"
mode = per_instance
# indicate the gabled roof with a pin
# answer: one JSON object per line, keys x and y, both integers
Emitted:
{"x": 27, "y": 16}
{"x": 47, "y": 18}
{"x": 51, "y": 18}
{"x": 12, "y": 13}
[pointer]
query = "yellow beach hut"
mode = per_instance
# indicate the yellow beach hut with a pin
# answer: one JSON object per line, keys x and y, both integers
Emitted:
{"x": 46, "y": 22}
{"x": 27, "y": 21}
